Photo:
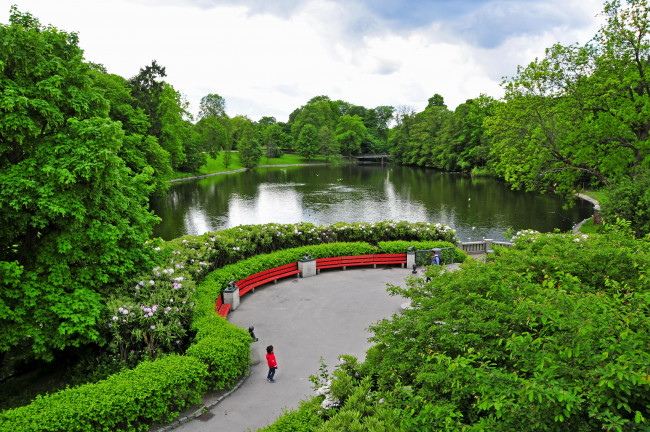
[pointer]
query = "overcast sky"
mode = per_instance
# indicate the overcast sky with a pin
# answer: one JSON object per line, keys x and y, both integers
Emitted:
{"x": 270, "y": 57}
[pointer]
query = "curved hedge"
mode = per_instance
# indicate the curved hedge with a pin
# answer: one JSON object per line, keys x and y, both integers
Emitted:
{"x": 124, "y": 402}
{"x": 219, "y": 354}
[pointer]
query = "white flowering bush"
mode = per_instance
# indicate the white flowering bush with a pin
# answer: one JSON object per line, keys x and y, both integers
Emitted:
{"x": 160, "y": 303}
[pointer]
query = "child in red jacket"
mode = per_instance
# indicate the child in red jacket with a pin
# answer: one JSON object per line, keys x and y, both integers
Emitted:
{"x": 273, "y": 365}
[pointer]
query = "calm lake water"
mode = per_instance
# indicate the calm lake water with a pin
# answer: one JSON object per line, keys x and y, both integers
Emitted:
{"x": 475, "y": 207}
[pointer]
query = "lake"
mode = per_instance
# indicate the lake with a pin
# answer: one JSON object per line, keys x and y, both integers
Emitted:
{"x": 476, "y": 207}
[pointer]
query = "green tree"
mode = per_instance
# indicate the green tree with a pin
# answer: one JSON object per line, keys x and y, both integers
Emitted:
{"x": 272, "y": 138}
{"x": 139, "y": 150}
{"x": 147, "y": 88}
{"x": 308, "y": 145}
{"x": 175, "y": 125}
{"x": 400, "y": 136}
{"x": 350, "y": 132}
{"x": 319, "y": 111}
{"x": 249, "y": 149}
{"x": 327, "y": 141}
{"x": 74, "y": 217}
{"x": 207, "y": 138}
{"x": 473, "y": 143}
{"x": 579, "y": 115}
{"x": 250, "y": 152}
{"x": 212, "y": 105}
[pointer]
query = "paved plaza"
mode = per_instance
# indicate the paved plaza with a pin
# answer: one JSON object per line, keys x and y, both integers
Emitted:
{"x": 304, "y": 319}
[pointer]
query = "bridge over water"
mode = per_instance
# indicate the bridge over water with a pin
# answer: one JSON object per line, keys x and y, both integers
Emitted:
{"x": 373, "y": 157}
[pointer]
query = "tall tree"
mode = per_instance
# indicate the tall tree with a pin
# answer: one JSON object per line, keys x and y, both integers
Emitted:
{"x": 308, "y": 145}
{"x": 249, "y": 149}
{"x": 212, "y": 105}
{"x": 207, "y": 138}
{"x": 327, "y": 141}
{"x": 175, "y": 125}
{"x": 582, "y": 113}
{"x": 147, "y": 88}
{"x": 319, "y": 111}
{"x": 139, "y": 150}
{"x": 272, "y": 137}
{"x": 250, "y": 152}
{"x": 350, "y": 132}
{"x": 74, "y": 218}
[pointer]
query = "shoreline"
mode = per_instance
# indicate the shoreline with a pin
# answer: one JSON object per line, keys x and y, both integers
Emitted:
{"x": 596, "y": 204}
{"x": 259, "y": 166}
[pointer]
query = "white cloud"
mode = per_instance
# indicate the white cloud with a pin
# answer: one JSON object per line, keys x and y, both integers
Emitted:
{"x": 271, "y": 59}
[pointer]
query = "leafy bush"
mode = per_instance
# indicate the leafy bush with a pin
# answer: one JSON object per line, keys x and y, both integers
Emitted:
{"x": 552, "y": 335}
{"x": 304, "y": 419}
{"x": 124, "y": 402}
{"x": 630, "y": 201}
{"x": 401, "y": 246}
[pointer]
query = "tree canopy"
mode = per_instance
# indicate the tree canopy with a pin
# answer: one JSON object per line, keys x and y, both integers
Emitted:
{"x": 580, "y": 114}
{"x": 74, "y": 216}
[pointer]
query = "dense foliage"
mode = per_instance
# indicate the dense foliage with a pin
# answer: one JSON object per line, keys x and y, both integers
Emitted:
{"x": 74, "y": 216}
{"x": 580, "y": 115}
{"x": 124, "y": 402}
{"x": 552, "y": 335}
{"x": 443, "y": 139}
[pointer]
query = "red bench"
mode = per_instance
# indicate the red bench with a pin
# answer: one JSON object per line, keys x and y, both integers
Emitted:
{"x": 221, "y": 308}
{"x": 358, "y": 260}
{"x": 252, "y": 281}
{"x": 390, "y": 259}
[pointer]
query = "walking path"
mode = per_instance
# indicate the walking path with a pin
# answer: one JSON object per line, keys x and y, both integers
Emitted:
{"x": 576, "y": 228}
{"x": 325, "y": 315}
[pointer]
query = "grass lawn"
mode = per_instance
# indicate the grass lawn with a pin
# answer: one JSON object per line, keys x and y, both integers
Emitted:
{"x": 589, "y": 228}
{"x": 214, "y": 166}
{"x": 598, "y": 195}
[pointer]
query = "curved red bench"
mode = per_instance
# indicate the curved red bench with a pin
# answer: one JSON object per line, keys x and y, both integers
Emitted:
{"x": 359, "y": 260}
{"x": 271, "y": 275}
{"x": 221, "y": 308}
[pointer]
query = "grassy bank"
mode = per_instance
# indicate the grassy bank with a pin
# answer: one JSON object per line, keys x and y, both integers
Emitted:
{"x": 216, "y": 166}
{"x": 598, "y": 195}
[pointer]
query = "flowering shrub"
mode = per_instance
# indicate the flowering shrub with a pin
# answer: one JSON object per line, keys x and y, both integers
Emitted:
{"x": 160, "y": 303}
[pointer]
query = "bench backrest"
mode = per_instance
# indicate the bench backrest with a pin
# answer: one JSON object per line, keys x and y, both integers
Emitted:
{"x": 266, "y": 274}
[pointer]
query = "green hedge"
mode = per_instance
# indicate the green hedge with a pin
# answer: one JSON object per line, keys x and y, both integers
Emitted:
{"x": 223, "y": 347}
{"x": 391, "y": 247}
{"x": 124, "y": 402}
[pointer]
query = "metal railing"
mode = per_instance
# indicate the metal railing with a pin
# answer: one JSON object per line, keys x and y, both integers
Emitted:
{"x": 479, "y": 247}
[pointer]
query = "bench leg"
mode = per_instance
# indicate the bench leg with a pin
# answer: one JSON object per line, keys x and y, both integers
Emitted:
{"x": 374, "y": 266}
{"x": 345, "y": 268}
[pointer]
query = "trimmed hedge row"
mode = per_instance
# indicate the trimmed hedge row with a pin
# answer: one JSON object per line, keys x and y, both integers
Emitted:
{"x": 401, "y": 246}
{"x": 124, "y": 402}
{"x": 154, "y": 391}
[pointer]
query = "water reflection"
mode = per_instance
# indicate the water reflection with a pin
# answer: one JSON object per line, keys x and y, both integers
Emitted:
{"x": 475, "y": 207}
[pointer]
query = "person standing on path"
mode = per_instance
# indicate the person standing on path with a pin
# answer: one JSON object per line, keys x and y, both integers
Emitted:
{"x": 273, "y": 365}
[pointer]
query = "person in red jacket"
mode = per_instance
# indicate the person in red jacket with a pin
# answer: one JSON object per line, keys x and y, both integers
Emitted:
{"x": 273, "y": 365}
